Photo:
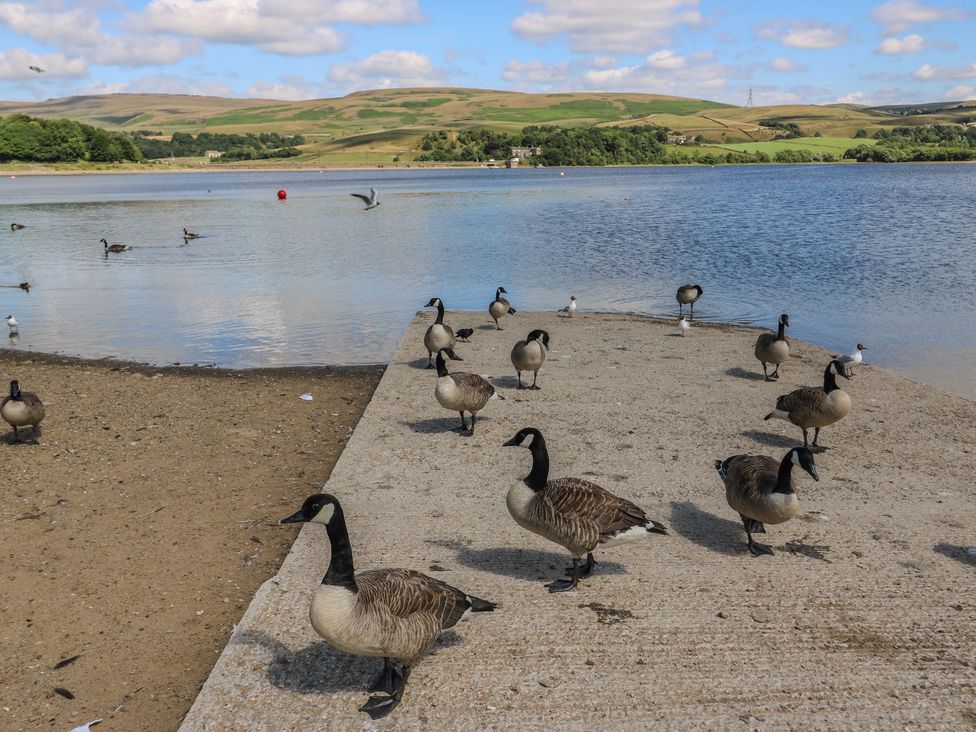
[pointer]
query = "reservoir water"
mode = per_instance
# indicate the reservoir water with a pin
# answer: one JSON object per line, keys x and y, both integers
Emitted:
{"x": 883, "y": 254}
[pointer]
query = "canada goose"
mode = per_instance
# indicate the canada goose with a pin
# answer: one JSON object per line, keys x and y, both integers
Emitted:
{"x": 461, "y": 392}
{"x": 761, "y": 490}
{"x": 571, "y": 308}
{"x": 438, "y": 335}
{"x": 395, "y": 614}
{"x": 684, "y": 327}
{"x": 688, "y": 295}
{"x": 13, "y": 325}
{"x": 813, "y": 407}
{"x": 572, "y": 512}
{"x": 16, "y": 227}
{"x": 530, "y": 354}
{"x": 773, "y": 349}
{"x": 464, "y": 333}
{"x": 500, "y": 306}
{"x": 22, "y": 408}
{"x": 369, "y": 200}
{"x": 114, "y": 247}
{"x": 190, "y": 234}
{"x": 852, "y": 359}
{"x": 25, "y": 286}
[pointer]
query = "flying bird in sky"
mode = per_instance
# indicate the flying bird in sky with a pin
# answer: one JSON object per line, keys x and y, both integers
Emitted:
{"x": 369, "y": 200}
{"x": 38, "y": 69}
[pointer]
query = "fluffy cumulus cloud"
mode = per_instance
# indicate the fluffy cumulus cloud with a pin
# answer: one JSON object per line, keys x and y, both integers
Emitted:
{"x": 927, "y": 72}
{"x": 666, "y": 60}
{"x": 633, "y": 26}
{"x": 388, "y": 69}
{"x": 535, "y": 74}
{"x": 14, "y": 65}
{"x": 912, "y": 43}
{"x": 77, "y": 26}
{"x": 962, "y": 93}
{"x": 885, "y": 95}
{"x": 806, "y": 34}
{"x": 784, "y": 65}
{"x": 703, "y": 79}
{"x": 896, "y": 16}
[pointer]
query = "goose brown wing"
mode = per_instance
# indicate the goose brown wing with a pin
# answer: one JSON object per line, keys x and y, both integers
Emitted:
{"x": 31, "y": 400}
{"x": 474, "y": 385}
{"x": 801, "y": 400}
{"x": 404, "y": 592}
{"x": 751, "y": 476}
{"x": 591, "y": 504}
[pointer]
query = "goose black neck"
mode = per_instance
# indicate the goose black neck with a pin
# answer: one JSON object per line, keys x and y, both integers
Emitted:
{"x": 784, "y": 481}
{"x": 340, "y": 570}
{"x": 830, "y": 381}
{"x": 498, "y": 294}
{"x": 539, "y": 475}
{"x": 440, "y": 314}
{"x": 781, "y": 333}
{"x": 441, "y": 364}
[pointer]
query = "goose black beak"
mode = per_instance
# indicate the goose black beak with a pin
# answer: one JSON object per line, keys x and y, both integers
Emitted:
{"x": 514, "y": 442}
{"x": 814, "y": 474}
{"x": 296, "y": 518}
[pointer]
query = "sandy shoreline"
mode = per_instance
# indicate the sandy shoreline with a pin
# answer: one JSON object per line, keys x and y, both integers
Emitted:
{"x": 137, "y": 531}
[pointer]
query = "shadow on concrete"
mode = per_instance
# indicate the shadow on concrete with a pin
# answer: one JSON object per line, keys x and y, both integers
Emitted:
{"x": 25, "y": 436}
{"x": 420, "y": 363}
{"x": 433, "y": 425}
{"x": 958, "y": 553}
{"x": 743, "y": 374}
{"x": 508, "y": 382}
{"x": 526, "y": 564}
{"x": 771, "y": 439}
{"x": 708, "y": 530}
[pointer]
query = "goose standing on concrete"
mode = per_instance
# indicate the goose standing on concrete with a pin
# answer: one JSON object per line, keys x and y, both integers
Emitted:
{"x": 16, "y": 227}
{"x": 13, "y": 325}
{"x": 571, "y": 308}
{"x": 22, "y": 409}
{"x": 529, "y": 355}
{"x": 815, "y": 407}
{"x": 438, "y": 335}
{"x": 852, "y": 359}
{"x": 761, "y": 489}
{"x": 114, "y": 248}
{"x": 499, "y": 307}
{"x": 369, "y": 200}
{"x": 461, "y": 392}
{"x": 688, "y": 295}
{"x": 773, "y": 349}
{"x": 189, "y": 234}
{"x": 572, "y": 512}
{"x": 394, "y": 614}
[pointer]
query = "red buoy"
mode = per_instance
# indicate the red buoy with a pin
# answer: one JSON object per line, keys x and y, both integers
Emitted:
{"x": 282, "y": 194}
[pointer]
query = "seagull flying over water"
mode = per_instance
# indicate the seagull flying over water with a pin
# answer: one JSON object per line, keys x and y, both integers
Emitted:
{"x": 369, "y": 200}
{"x": 37, "y": 69}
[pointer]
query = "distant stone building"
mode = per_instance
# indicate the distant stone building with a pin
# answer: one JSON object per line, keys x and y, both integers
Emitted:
{"x": 524, "y": 153}
{"x": 213, "y": 154}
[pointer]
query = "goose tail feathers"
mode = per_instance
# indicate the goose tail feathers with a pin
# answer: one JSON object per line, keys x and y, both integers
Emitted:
{"x": 656, "y": 527}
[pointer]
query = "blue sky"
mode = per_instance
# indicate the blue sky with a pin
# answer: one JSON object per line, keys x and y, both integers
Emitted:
{"x": 818, "y": 52}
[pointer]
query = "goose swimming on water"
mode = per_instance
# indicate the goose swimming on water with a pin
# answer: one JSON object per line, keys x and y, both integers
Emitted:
{"x": 394, "y": 614}
{"x": 438, "y": 335}
{"x": 115, "y": 248}
{"x": 190, "y": 234}
{"x": 16, "y": 227}
{"x": 572, "y": 512}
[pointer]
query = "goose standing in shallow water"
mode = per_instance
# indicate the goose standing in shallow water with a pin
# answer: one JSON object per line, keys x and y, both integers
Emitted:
{"x": 814, "y": 407}
{"x": 438, "y": 335}
{"x": 500, "y": 307}
{"x": 394, "y": 614}
{"x": 572, "y": 512}
{"x": 114, "y": 248}
{"x": 761, "y": 490}
{"x": 852, "y": 359}
{"x": 22, "y": 409}
{"x": 529, "y": 355}
{"x": 688, "y": 295}
{"x": 773, "y": 349}
{"x": 462, "y": 392}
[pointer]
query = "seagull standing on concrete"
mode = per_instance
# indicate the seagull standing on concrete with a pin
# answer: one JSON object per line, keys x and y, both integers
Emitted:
{"x": 571, "y": 308}
{"x": 369, "y": 200}
{"x": 12, "y": 324}
{"x": 852, "y": 359}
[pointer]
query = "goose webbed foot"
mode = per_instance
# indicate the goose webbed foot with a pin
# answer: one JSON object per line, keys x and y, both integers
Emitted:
{"x": 535, "y": 387}
{"x": 561, "y": 585}
{"x": 464, "y": 425}
{"x": 587, "y": 569}
{"x": 379, "y": 706}
{"x": 758, "y": 549}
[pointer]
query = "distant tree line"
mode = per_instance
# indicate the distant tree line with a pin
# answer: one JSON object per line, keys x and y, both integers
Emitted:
{"x": 28, "y": 139}
{"x": 791, "y": 130}
{"x": 929, "y": 143}
{"x": 233, "y": 147}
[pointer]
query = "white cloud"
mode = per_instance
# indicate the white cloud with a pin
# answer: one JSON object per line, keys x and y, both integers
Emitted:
{"x": 706, "y": 80}
{"x": 912, "y": 43}
{"x": 666, "y": 60}
{"x": 962, "y": 93}
{"x": 806, "y": 34}
{"x": 76, "y": 27}
{"x": 885, "y": 95}
{"x": 143, "y": 50}
{"x": 355, "y": 12}
{"x": 896, "y": 16}
{"x": 522, "y": 73}
{"x": 607, "y": 25}
{"x": 171, "y": 84}
{"x": 316, "y": 41}
{"x": 388, "y": 69}
{"x": 603, "y": 62}
{"x": 287, "y": 87}
{"x": 927, "y": 71}
{"x": 858, "y": 97}
{"x": 784, "y": 65}
{"x": 14, "y": 63}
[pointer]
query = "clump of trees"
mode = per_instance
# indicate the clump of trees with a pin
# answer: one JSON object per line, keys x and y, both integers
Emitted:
{"x": 233, "y": 147}
{"x": 28, "y": 139}
{"x": 791, "y": 130}
{"x": 929, "y": 143}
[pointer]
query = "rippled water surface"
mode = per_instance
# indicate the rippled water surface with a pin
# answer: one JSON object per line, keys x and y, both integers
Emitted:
{"x": 885, "y": 255}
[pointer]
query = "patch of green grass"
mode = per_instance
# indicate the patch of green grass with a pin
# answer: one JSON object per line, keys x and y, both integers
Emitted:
{"x": 667, "y": 106}
{"x": 369, "y": 113}
{"x": 426, "y": 103}
{"x": 835, "y": 145}
{"x": 313, "y": 115}
{"x": 254, "y": 115}
{"x": 581, "y": 109}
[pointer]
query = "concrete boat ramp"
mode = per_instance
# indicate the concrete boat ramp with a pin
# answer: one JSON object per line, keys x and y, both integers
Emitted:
{"x": 865, "y": 617}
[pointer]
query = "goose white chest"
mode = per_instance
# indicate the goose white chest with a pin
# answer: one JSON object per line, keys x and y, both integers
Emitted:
{"x": 335, "y": 615}
{"x": 448, "y": 394}
{"x": 16, "y": 413}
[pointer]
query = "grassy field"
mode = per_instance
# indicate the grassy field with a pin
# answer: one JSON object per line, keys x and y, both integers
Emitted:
{"x": 375, "y": 126}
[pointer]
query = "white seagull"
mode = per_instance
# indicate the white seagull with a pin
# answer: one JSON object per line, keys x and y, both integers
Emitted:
{"x": 369, "y": 200}
{"x": 571, "y": 308}
{"x": 12, "y": 324}
{"x": 684, "y": 327}
{"x": 852, "y": 359}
